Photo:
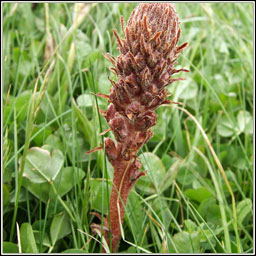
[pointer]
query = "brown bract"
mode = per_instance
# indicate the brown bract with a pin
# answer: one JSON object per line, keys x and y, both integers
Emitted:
{"x": 144, "y": 68}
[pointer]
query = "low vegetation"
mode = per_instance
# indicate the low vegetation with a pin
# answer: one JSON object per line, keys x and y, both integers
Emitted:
{"x": 198, "y": 190}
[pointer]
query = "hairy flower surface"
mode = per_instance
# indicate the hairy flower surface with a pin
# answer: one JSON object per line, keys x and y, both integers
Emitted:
{"x": 144, "y": 68}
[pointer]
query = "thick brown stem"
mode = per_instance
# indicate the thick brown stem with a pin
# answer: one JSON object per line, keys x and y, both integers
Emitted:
{"x": 118, "y": 199}
{"x": 125, "y": 175}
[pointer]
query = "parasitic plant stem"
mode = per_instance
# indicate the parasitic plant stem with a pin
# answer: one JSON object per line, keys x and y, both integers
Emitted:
{"x": 145, "y": 66}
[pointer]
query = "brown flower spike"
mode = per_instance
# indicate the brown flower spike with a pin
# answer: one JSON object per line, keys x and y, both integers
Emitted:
{"x": 144, "y": 68}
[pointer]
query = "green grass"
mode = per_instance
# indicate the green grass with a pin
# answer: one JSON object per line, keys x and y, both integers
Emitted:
{"x": 198, "y": 192}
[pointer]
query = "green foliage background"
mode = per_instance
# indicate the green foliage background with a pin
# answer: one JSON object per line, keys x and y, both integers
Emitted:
{"x": 53, "y": 61}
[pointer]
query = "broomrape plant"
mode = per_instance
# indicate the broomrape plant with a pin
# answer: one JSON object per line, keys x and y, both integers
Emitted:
{"x": 144, "y": 68}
